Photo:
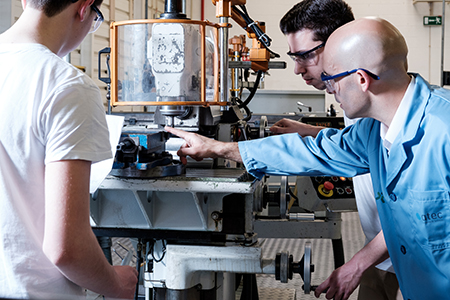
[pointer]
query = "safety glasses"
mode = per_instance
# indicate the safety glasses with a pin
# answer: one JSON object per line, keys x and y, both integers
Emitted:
{"x": 329, "y": 79}
{"x": 305, "y": 58}
{"x": 97, "y": 20}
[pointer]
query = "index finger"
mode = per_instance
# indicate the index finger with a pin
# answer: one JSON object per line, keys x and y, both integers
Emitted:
{"x": 178, "y": 132}
{"x": 323, "y": 288}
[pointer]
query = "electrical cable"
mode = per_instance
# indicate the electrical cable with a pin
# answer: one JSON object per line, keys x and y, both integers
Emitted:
{"x": 262, "y": 36}
{"x": 254, "y": 89}
{"x": 163, "y": 251}
{"x": 245, "y": 107}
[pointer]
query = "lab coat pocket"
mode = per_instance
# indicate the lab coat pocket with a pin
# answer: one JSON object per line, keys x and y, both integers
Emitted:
{"x": 430, "y": 216}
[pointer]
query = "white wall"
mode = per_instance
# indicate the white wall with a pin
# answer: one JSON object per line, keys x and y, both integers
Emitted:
{"x": 424, "y": 42}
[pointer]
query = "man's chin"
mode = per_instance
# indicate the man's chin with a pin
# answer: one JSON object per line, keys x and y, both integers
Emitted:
{"x": 319, "y": 85}
{"x": 315, "y": 83}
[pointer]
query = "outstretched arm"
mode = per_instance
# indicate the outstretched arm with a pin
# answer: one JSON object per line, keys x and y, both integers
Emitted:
{"x": 344, "y": 280}
{"x": 199, "y": 147}
{"x": 68, "y": 238}
{"x": 291, "y": 126}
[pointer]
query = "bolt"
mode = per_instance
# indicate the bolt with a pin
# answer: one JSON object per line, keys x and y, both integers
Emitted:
{"x": 215, "y": 216}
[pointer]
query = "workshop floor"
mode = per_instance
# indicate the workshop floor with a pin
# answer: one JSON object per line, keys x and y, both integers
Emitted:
{"x": 322, "y": 258}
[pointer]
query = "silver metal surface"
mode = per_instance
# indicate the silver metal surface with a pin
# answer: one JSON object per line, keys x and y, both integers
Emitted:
{"x": 283, "y": 197}
{"x": 229, "y": 286}
{"x": 248, "y": 64}
{"x": 223, "y": 46}
{"x": 127, "y": 259}
{"x": 235, "y": 74}
{"x": 200, "y": 180}
{"x": 268, "y": 287}
{"x": 185, "y": 266}
{"x": 263, "y": 125}
{"x": 307, "y": 268}
{"x": 298, "y": 229}
{"x": 284, "y": 266}
{"x": 308, "y": 199}
{"x": 353, "y": 239}
{"x": 186, "y": 202}
{"x": 301, "y": 216}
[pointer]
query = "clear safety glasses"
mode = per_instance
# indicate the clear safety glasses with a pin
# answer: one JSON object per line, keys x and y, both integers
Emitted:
{"x": 97, "y": 20}
{"x": 305, "y": 58}
{"x": 329, "y": 79}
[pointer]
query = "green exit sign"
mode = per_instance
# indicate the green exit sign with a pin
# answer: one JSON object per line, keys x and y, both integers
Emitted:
{"x": 432, "y": 20}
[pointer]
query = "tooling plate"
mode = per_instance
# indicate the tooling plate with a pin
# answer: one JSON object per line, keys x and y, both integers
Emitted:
{"x": 195, "y": 180}
{"x": 229, "y": 175}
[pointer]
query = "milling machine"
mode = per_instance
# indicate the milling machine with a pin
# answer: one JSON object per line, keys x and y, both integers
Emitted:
{"x": 197, "y": 225}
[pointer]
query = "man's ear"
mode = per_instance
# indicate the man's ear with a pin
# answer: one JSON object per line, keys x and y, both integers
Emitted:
{"x": 84, "y": 9}
{"x": 364, "y": 80}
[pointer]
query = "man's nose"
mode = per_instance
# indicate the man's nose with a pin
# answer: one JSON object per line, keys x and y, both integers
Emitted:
{"x": 299, "y": 69}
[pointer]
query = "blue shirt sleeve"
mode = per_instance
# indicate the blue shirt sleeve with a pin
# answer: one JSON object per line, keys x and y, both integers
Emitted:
{"x": 333, "y": 152}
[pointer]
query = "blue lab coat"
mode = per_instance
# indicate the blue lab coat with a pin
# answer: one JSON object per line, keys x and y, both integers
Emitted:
{"x": 411, "y": 183}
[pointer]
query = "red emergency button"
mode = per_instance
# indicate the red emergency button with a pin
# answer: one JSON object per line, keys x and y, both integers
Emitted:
{"x": 326, "y": 189}
{"x": 328, "y": 185}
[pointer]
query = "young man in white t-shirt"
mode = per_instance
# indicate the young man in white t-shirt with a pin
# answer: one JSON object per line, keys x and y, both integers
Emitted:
{"x": 52, "y": 128}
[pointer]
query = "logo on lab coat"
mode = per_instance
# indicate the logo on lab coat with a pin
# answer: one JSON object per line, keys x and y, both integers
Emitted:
{"x": 430, "y": 217}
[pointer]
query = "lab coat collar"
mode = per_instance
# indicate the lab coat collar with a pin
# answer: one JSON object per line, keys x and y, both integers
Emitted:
{"x": 397, "y": 155}
{"x": 389, "y": 134}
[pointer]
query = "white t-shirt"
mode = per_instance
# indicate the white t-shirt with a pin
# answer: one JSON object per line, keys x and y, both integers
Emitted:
{"x": 49, "y": 111}
{"x": 367, "y": 208}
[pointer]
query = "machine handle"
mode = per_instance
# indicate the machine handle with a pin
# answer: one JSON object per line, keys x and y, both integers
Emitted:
{"x": 107, "y": 79}
{"x": 314, "y": 287}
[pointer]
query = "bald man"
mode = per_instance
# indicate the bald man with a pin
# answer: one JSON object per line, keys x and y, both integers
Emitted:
{"x": 307, "y": 26}
{"x": 403, "y": 141}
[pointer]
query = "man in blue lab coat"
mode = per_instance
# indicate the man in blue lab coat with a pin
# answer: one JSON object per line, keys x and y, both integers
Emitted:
{"x": 403, "y": 141}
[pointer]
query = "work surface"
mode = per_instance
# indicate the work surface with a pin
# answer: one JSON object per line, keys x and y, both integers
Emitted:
{"x": 195, "y": 179}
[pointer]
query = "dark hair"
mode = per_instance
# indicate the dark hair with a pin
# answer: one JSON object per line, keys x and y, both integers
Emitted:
{"x": 321, "y": 16}
{"x": 54, "y": 7}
